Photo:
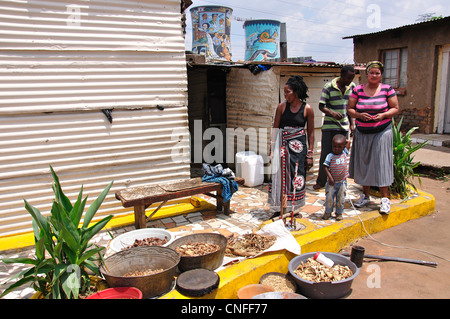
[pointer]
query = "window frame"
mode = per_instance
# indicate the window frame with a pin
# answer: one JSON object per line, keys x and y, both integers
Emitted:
{"x": 401, "y": 54}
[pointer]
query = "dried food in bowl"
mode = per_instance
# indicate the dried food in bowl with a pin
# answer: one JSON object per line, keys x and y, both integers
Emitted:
{"x": 278, "y": 281}
{"x": 323, "y": 290}
{"x": 128, "y": 239}
{"x": 140, "y": 259}
{"x": 211, "y": 260}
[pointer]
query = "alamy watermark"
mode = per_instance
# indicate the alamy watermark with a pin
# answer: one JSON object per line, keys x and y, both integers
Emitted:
{"x": 374, "y": 19}
{"x": 374, "y": 279}
{"x": 214, "y": 145}
{"x": 74, "y": 14}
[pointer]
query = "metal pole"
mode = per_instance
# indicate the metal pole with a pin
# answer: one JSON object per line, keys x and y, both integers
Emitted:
{"x": 405, "y": 260}
{"x": 283, "y": 42}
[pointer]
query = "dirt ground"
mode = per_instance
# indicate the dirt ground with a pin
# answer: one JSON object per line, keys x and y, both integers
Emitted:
{"x": 389, "y": 279}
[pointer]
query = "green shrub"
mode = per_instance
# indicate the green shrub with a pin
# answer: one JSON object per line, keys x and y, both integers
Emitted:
{"x": 63, "y": 254}
{"x": 403, "y": 160}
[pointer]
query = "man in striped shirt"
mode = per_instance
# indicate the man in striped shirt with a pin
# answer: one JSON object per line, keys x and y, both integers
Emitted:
{"x": 333, "y": 103}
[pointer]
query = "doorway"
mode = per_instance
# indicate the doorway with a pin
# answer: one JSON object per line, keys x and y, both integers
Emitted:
{"x": 444, "y": 93}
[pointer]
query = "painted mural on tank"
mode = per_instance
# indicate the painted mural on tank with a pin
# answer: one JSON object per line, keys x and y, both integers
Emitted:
{"x": 262, "y": 40}
{"x": 211, "y": 26}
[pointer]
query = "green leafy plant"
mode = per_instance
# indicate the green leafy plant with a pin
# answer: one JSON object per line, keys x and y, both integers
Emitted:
{"x": 63, "y": 254}
{"x": 403, "y": 160}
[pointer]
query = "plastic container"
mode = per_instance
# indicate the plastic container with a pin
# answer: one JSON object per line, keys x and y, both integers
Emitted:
{"x": 117, "y": 293}
{"x": 323, "y": 260}
{"x": 279, "y": 295}
{"x": 253, "y": 170}
{"x": 127, "y": 239}
{"x": 323, "y": 290}
{"x": 357, "y": 255}
{"x": 240, "y": 156}
{"x": 252, "y": 290}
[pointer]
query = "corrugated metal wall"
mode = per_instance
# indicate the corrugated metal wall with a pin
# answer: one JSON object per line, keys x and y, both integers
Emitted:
{"x": 251, "y": 103}
{"x": 61, "y": 63}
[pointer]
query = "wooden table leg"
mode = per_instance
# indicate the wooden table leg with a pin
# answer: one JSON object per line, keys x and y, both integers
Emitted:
{"x": 221, "y": 206}
{"x": 219, "y": 201}
{"x": 226, "y": 208}
{"x": 139, "y": 217}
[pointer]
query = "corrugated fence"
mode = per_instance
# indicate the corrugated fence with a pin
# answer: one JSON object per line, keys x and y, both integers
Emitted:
{"x": 61, "y": 64}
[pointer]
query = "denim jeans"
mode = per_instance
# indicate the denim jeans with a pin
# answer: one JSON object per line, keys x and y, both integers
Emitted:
{"x": 335, "y": 194}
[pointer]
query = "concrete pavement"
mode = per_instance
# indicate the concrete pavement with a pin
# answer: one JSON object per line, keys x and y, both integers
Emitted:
{"x": 425, "y": 238}
{"x": 436, "y": 154}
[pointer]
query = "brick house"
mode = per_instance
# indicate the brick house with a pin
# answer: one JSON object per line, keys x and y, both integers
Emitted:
{"x": 416, "y": 59}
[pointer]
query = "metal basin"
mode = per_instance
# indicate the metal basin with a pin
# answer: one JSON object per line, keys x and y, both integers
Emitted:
{"x": 209, "y": 261}
{"x": 141, "y": 259}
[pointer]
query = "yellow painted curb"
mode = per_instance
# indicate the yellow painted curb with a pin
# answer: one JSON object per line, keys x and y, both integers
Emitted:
{"x": 330, "y": 239}
{"x": 174, "y": 208}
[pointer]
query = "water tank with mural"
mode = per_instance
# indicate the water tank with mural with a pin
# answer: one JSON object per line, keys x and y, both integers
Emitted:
{"x": 262, "y": 40}
{"x": 211, "y": 26}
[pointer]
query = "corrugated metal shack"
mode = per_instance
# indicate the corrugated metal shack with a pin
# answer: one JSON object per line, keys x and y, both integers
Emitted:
{"x": 229, "y": 95}
{"x": 94, "y": 88}
{"x": 100, "y": 90}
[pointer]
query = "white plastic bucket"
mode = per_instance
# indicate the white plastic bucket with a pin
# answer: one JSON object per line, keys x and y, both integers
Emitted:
{"x": 253, "y": 170}
{"x": 240, "y": 157}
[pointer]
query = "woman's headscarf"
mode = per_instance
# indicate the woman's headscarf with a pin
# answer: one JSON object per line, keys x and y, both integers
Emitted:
{"x": 375, "y": 64}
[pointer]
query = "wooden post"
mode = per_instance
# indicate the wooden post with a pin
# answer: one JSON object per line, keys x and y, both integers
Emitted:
{"x": 139, "y": 217}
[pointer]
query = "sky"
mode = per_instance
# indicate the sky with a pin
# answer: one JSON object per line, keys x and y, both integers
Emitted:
{"x": 316, "y": 28}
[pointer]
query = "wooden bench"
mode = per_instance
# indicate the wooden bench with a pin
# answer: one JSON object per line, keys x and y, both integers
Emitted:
{"x": 142, "y": 197}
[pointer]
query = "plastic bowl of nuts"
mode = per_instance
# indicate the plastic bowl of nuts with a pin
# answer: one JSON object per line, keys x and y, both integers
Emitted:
{"x": 141, "y": 237}
{"x": 315, "y": 280}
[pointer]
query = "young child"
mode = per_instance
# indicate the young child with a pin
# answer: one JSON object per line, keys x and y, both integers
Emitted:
{"x": 336, "y": 169}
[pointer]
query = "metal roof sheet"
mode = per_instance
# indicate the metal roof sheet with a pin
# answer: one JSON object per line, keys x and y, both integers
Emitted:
{"x": 419, "y": 24}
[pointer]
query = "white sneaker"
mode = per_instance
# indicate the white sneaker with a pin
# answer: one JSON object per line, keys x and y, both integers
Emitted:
{"x": 362, "y": 201}
{"x": 385, "y": 207}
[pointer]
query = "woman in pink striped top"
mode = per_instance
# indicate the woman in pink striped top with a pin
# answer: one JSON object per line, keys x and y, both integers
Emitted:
{"x": 373, "y": 105}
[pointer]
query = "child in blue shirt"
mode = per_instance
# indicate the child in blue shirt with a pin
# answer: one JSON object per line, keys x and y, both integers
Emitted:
{"x": 336, "y": 169}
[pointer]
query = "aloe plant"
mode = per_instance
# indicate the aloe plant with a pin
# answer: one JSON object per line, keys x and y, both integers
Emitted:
{"x": 63, "y": 253}
{"x": 403, "y": 160}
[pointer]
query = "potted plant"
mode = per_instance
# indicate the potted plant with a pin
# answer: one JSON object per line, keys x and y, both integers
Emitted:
{"x": 403, "y": 160}
{"x": 63, "y": 253}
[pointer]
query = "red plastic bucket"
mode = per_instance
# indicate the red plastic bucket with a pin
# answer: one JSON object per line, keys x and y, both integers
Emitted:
{"x": 117, "y": 293}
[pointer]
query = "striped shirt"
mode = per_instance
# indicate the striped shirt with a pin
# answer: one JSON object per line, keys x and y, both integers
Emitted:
{"x": 372, "y": 105}
{"x": 334, "y": 100}
{"x": 337, "y": 165}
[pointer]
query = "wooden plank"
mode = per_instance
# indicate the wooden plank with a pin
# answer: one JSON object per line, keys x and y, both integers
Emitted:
{"x": 147, "y": 195}
{"x": 142, "y": 197}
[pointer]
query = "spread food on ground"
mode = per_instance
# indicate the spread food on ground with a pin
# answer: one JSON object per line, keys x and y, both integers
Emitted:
{"x": 248, "y": 244}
